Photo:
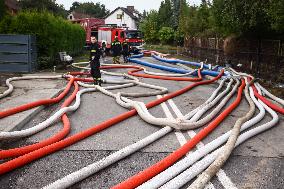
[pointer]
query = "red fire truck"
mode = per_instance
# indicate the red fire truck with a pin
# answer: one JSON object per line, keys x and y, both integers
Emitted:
{"x": 107, "y": 34}
{"x": 91, "y": 26}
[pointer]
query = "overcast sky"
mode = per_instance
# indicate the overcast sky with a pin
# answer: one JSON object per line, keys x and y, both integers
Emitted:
{"x": 112, "y": 4}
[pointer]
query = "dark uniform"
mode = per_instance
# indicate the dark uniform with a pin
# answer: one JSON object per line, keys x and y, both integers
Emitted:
{"x": 95, "y": 54}
{"x": 116, "y": 49}
{"x": 125, "y": 51}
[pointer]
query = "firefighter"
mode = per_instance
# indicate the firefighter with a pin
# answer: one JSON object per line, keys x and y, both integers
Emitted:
{"x": 116, "y": 50}
{"x": 125, "y": 50}
{"x": 95, "y": 54}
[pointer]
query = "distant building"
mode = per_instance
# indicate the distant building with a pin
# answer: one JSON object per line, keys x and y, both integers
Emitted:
{"x": 12, "y": 6}
{"x": 76, "y": 16}
{"x": 128, "y": 17}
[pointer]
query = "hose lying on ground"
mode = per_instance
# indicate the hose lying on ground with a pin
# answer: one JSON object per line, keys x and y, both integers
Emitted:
{"x": 27, "y": 158}
{"x": 31, "y": 105}
{"x": 11, "y": 87}
{"x": 227, "y": 149}
{"x": 155, "y": 169}
{"x": 60, "y": 135}
{"x": 279, "y": 100}
{"x": 197, "y": 168}
{"x": 183, "y": 164}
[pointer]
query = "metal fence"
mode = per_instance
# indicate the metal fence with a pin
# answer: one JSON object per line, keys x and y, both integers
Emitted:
{"x": 18, "y": 53}
{"x": 263, "y": 58}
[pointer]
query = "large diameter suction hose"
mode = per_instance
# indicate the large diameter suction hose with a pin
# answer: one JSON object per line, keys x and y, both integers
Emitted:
{"x": 28, "y": 106}
{"x": 227, "y": 149}
{"x": 93, "y": 168}
{"x": 171, "y": 69}
{"x": 27, "y": 158}
{"x": 155, "y": 169}
{"x": 198, "y": 167}
{"x": 11, "y": 87}
{"x": 267, "y": 102}
{"x": 57, "y": 137}
{"x": 176, "y": 61}
{"x": 133, "y": 73}
{"x": 176, "y": 174}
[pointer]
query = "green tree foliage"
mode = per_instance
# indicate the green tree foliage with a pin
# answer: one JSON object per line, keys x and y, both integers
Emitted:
{"x": 245, "y": 18}
{"x": 96, "y": 10}
{"x": 2, "y": 9}
{"x": 276, "y": 13}
{"x": 176, "y": 12}
{"x": 150, "y": 27}
{"x": 166, "y": 35}
{"x": 44, "y": 5}
{"x": 74, "y": 6}
{"x": 54, "y": 34}
{"x": 165, "y": 13}
{"x": 248, "y": 19}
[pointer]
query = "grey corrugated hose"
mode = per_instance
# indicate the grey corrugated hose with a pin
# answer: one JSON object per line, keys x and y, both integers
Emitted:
{"x": 205, "y": 177}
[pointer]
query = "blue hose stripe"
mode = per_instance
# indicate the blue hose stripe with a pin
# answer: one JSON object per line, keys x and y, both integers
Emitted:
{"x": 170, "y": 69}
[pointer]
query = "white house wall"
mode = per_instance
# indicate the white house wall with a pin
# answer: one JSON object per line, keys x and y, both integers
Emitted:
{"x": 126, "y": 19}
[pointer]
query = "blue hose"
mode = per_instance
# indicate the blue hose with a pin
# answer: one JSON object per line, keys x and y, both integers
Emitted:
{"x": 167, "y": 68}
{"x": 175, "y": 61}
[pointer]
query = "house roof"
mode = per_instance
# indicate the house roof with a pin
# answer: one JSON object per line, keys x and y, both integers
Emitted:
{"x": 12, "y": 4}
{"x": 126, "y": 11}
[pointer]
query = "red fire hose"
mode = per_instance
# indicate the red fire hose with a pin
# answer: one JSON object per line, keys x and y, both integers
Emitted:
{"x": 155, "y": 169}
{"x": 133, "y": 73}
{"x": 28, "y": 106}
{"x": 29, "y": 157}
{"x": 137, "y": 69}
{"x": 267, "y": 102}
{"x": 59, "y": 136}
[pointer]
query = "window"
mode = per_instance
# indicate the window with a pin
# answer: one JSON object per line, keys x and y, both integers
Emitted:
{"x": 122, "y": 34}
{"x": 116, "y": 33}
{"x": 119, "y": 16}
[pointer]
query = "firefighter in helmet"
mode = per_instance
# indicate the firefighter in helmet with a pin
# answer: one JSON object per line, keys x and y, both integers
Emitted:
{"x": 95, "y": 54}
{"x": 125, "y": 50}
{"x": 116, "y": 50}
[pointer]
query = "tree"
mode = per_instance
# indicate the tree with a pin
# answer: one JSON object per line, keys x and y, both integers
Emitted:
{"x": 144, "y": 14}
{"x": 95, "y": 10}
{"x": 150, "y": 27}
{"x": 166, "y": 35}
{"x": 74, "y": 6}
{"x": 242, "y": 17}
{"x": 165, "y": 13}
{"x": 276, "y": 14}
{"x": 176, "y": 12}
{"x": 42, "y": 5}
{"x": 2, "y": 9}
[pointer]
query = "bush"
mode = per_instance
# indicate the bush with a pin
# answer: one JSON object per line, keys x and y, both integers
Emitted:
{"x": 166, "y": 35}
{"x": 54, "y": 34}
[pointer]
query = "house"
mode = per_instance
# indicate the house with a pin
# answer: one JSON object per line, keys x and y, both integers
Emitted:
{"x": 127, "y": 17}
{"x": 12, "y": 6}
{"x": 77, "y": 16}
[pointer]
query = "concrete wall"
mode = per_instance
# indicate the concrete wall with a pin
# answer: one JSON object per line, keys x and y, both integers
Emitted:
{"x": 126, "y": 19}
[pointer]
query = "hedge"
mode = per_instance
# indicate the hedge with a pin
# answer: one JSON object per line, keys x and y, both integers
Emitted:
{"x": 54, "y": 34}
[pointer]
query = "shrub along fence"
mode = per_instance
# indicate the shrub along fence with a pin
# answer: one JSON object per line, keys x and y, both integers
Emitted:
{"x": 263, "y": 58}
{"x": 54, "y": 34}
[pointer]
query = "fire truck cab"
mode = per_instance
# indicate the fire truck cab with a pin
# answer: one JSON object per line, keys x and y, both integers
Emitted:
{"x": 107, "y": 34}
